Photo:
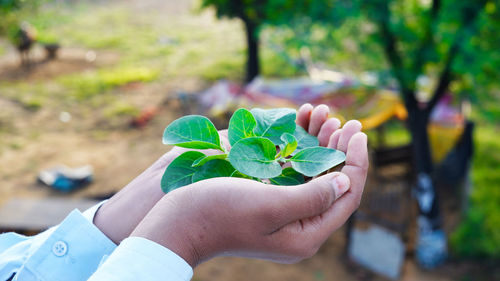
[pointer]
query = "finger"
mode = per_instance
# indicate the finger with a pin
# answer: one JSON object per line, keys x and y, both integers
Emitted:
{"x": 327, "y": 129}
{"x": 304, "y": 115}
{"x": 350, "y": 128}
{"x": 224, "y": 139}
{"x": 318, "y": 117}
{"x": 334, "y": 139}
{"x": 303, "y": 235}
{"x": 310, "y": 199}
{"x": 356, "y": 169}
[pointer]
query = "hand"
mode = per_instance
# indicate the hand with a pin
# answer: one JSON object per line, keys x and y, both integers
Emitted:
{"x": 231, "y": 216}
{"x": 109, "y": 218}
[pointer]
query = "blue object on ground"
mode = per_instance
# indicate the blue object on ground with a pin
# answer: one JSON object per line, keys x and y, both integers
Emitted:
{"x": 66, "y": 179}
{"x": 431, "y": 249}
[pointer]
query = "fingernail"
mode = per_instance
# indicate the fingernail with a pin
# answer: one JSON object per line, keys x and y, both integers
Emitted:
{"x": 340, "y": 185}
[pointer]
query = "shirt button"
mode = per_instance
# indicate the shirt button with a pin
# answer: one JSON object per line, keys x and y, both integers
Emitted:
{"x": 60, "y": 248}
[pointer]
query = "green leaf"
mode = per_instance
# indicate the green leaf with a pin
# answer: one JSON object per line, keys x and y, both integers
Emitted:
{"x": 288, "y": 177}
{"x": 237, "y": 174}
{"x": 255, "y": 157}
{"x": 315, "y": 160}
{"x": 192, "y": 131}
{"x": 290, "y": 144}
{"x": 204, "y": 159}
{"x": 272, "y": 123}
{"x": 304, "y": 139}
{"x": 180, "y": 171}
{"x": 241, "y": 125}
{"x": 214, "y": 169}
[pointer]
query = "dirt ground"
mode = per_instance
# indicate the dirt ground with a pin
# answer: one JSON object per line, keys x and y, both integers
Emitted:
{"x": 36, "y": 140}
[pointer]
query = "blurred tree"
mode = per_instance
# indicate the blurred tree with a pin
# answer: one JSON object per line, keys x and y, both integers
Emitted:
{"x": 439, "y": 39}
{"x": 430, "y": 36}
{"x": 453, "y": 43}
{"x": 253, "y": 14}
{"x": 13, "y": 12}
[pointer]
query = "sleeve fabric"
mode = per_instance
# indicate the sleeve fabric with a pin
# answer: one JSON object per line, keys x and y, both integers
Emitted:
{"x": 70, "y": 251}
{"x": 77, "y": 250}
{"x": 140, "y": 259}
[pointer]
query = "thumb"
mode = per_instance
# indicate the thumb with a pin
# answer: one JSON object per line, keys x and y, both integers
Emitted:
{"x": 315, "y": 197}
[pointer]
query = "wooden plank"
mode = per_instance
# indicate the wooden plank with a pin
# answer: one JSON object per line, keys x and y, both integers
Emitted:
{"x": 21, "y": 214}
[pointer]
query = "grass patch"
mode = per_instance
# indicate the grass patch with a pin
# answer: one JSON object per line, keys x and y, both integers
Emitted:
{"x": 121, "y": 109}
{"x": 86, "y": 85}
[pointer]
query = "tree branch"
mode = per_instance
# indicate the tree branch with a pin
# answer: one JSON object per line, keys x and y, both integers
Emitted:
{"x": 427, "y": 41}
{"x": 470, "y": 15}
{"x": 390, "y": 49}
{"x": 436, "y": 6}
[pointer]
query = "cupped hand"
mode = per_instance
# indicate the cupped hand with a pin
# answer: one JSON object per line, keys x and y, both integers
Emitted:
{"x": 109, "y": 218}
{"x": 231, "y": 216}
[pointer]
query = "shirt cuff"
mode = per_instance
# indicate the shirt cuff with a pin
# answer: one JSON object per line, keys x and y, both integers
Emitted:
{"x": 138, "y": 258}
{"x": 70, "y": 251}
{"x": 89, "y": 214}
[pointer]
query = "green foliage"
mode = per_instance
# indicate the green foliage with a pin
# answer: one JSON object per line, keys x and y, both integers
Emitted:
{"x": 289, "y": 144}
{"x": 255, "y": 156}
{"x": 202, "y": 160}
{"x": 288, "y": 177}
{"x": 214, "y": 169}
{"x": 241, "y": 125}
{"x": 12, "y": 13}
{"x": 312, "y": 161}
{"x": 192, "y": 131}
{"x": 478, "y": 234}
{"x": 273, "y": 123}
{"x": 254, "y": 136}
{"x": 180, "y": 171}
{"x": 252, "y": 10}
{"x": 304, "y": 140}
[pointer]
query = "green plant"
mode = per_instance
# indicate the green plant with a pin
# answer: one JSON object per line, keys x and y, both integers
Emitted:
{"x": 254, "y": 137}
{"x": 478, "y": 235}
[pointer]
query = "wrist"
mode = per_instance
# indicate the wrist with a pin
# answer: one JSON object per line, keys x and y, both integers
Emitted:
{"x": 174, "y": 229}
{"x": 120, "y": 215}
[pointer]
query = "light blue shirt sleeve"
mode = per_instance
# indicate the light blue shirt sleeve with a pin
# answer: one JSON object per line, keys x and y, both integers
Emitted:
{"x": 141, "y": 259}
{"x": 70, "y": 251}
{"x": 76, "y": 248}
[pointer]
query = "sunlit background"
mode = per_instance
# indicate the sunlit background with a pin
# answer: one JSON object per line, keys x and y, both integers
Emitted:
{"x": 92, "y": 84}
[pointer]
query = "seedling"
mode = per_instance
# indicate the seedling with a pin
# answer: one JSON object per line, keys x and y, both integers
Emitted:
{"x": 254, "y": 137}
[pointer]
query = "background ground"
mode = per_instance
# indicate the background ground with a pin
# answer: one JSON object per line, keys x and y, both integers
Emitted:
{"x": 130, "y": 56}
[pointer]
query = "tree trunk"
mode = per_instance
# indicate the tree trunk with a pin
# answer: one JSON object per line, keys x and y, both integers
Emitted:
{"x": 425, "y": 190}
{"x": 253, "y": 66}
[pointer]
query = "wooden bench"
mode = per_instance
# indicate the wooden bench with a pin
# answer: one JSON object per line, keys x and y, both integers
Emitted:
{"x": 33, "y": 215}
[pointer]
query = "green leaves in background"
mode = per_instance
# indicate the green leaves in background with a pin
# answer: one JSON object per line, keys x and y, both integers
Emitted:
{"x": 255, "y": 157}
{"x": 288, "y": 177}
{"x": 180, "y": 171}
{"x": 314, "y": 160}
{"x": 241, "y": 125}
{"x": 272, "y": 123}
{"x": 192, "y": 131}
{"x": 214, "y": 169}
{"x": 289, "y": 144}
